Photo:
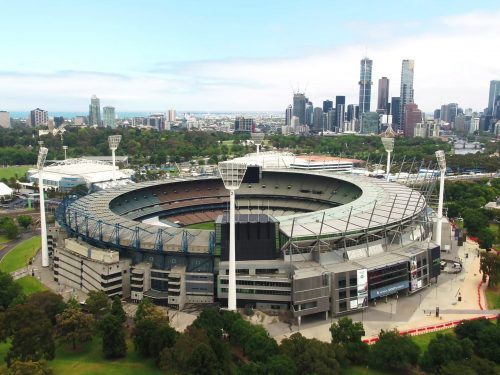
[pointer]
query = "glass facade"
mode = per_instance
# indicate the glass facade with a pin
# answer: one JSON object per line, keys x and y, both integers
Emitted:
{"x": 365, "y": 85}
{"x": 406, "y": 91}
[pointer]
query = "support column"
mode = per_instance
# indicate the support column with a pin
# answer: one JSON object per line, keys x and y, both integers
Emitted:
{"x": 388, "y": 168}
{"x": 440, "y": 210}
{"x": 114, "y": 162}
{"x": 231, "y": 297}
{"x": 43, "y": 222}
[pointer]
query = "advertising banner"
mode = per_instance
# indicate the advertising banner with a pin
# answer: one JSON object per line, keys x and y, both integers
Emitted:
{"x": 362, "y": 286}
{"x": 388, "y": 289}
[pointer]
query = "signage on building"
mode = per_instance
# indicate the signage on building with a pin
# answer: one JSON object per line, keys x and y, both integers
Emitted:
{"x": 362, "y": 285}
{"x": 388, "y": 289}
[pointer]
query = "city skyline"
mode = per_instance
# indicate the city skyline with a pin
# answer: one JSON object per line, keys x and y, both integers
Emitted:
{"x": 241, "y": 67}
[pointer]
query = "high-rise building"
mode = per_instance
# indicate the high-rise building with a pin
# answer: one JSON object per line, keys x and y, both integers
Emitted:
{"x": 288, "y": 115}
{"x": 329, "y": 120}
{"x": 496, "y": 108}
{"x": 413, "y": 116}
{"x": 395, "y": 111}
{"x": 327, "y": 105}
{"x": 339, "y": 112}
{"x": 4, "y": 119}
{"x": 58, "y": 120}
{"x": 242, "y": 124}
{"x": 156, "y": 121}
{"x": 299, "y": 107}
{"x": 309, "y": 114}
{"x": 109, "y": 117}
{"x": 437, "y": 114}
{"x": 39, "y": 117}
{"x": 171, "y": 115}
{"x": 494, "y": 92}
{"x": 317, "y": 119}
{"x": 365, "y": 85}
{"x": 352, "y": 112}
{"x": 383, "y": 96}
{"x": 370, "y": 122}
{"x": 406, "y": 90}
{"x": 95, "y": 111}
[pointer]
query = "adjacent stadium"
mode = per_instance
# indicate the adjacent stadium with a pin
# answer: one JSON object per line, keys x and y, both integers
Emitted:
{"x": 308, "y": 242}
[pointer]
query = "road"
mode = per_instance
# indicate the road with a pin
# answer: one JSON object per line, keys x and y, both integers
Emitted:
{"x": 10, "y": 245}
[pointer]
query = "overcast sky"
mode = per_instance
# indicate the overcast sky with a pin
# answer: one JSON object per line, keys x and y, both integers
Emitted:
{"x": 240, "y": 55}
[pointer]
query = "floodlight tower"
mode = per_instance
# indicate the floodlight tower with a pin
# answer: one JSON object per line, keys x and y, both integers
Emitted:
{"x": 114, "y": 141}
{"x": 441, "y": 159}
{"x": 257, "y": 140}
{"x": 42, "y": 155}
{"x": 232, "y": 174}
{"x": 65, "y": 148}
{"x": 388, "y": 142}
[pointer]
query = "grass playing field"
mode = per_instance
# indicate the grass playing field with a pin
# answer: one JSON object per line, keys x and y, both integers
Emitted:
{"x": 210, "y": 225}
{"x": 8, "y": 172}
{"x": 493, "y": 298}
{"x": 19, "y": 256}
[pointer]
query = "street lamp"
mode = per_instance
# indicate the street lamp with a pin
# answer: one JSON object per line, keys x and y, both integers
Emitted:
{"x": 232, "y": 175}
{"x": 42, "y": 155}
{"x": 65, "y": 148}
{"x": 114, "y": 141}
{"x": 388, "y": 142}
{"x": 441, "y": 159}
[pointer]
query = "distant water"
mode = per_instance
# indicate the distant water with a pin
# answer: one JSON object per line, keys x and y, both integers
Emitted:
{"x": 125, "y": 115}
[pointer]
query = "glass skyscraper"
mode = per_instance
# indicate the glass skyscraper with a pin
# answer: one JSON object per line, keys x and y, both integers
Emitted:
{"x": 299, "y": 107}
{"x": 383, "y": 95}
{"x": 95, "y": 111}
{"x": 406, "y": 91}
{"x": 109, "y": 118}
{"x": 494, "y": 92}
{"x": 365, "y": 85}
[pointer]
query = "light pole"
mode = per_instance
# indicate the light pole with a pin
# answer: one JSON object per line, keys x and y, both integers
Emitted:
{"x": 441, "y": 159}
{"x": 232, "y": 175}
{"x": 65, "y": 148}
{"x": 114, "y": 141}
{"x": 257, "y": 140}
{"x": 42, "y": 155}
{"x": 388, "y": 142}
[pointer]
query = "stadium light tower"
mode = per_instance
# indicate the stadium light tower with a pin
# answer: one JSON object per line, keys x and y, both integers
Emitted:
{"x": 441, "y": 159}
{"x": 388, "y": 142}
{"x": 65, "y": 148}
{"x": 42, "y": 155}
{"x": 232, "y": 175}
{"x": 114, "y": 141}
{"x": 257, "y": 140}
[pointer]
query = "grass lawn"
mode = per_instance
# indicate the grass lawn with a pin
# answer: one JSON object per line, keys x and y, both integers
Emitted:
{"x": 210, "y": 225}
{"x": 19, "y": 256}
{"x": 423, "y": 340}
{"x": 3, "y": 239}
{"x": 360, "y": 370}
{"x": 493, "y": 298}
{"x": 9, "y": 172}
{"x": 30, "y": 285}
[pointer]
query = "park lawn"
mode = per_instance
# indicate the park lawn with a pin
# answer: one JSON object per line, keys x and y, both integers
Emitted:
{"x": 89, "y": 361}
{"x": 210, "y": 225}
{"x": 8, "y": 172}
{"x": 31, "y": 285}
{"x": 19, "y": 256}
{"x": 423, "y": 340}
{"x": 3, "y": 239}
{"x": 493, "y": 298}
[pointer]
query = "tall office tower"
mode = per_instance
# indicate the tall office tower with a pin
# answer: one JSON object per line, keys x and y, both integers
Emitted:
{"x": 39, "y": 117}
{"x": 350, "y": 112}
{"x": 299, "y": 107}
{"x": 496, "y": 108}
{"x": 444, "y": 113}
{"x": 383, "y": 96}
{"x": 109, "y": 117}
{"x": 437, "y": 114}
{"x": 413, "y": 116}
{"x": 95, "y": 111}
{"x": 288, "y": 115}
{"x": 494, "y": 92}
{"x": 327, "y": 105}
{"x": 58, "y": 120}
{"x": 395, "y": 112}
{"x": 330, "y": 120}
{"x": 171, "y": 115}
{"x": 365, "y": 85}
{"x": 309, "y": 114}
{"x": 317, "y": 118}
{"x": 4, "y": 119}
{"x": 452, "y": 112}
{"x": 339, "y": 112}
{"x": 242, "y": 125}
{"x": 370, "y": 122}
{"x": 406, "y": 90}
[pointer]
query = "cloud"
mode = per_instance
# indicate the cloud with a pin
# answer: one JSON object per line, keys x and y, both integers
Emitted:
{"x": 455, "y": 58}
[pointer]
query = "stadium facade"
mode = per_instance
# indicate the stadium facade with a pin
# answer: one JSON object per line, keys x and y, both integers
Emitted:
{"x": 310, "y": 242}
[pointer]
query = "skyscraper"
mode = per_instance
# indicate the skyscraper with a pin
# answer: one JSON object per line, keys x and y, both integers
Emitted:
{"x": 383, "y": 96}
{"x": 396, "y": 111}
{"x": 327, "y": 105}
{"x": 339, "y": 112}
{"x": 494, "y": 92}
{"x": 370, "y": 122}
{"x": 109, "y": 117}
{"x": 317, "y": 119}
{"x": 406, "y": 91}
{"x": 171, "y": 115}
{"x": 4, "y": 119}
{"x": 309, "y": 114}
{"x": 299, "y": 107}
{"x": 413, "y": 116}
{"x": 365, "y": 85}
{"x": 39, "y": 117}
{"x": 288, "y": 115}
{"x": 95, "y": 111}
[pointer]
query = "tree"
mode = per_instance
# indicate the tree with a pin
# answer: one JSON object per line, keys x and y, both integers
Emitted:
{"x": 147, "y": 310}
{"x": 117, "y": 309}
{"x": 74, "y": 326}
{"x": 489, "y": 343}
{"x": 490, "y": 266}
{"x": 202, "y": 360}
{"x": 260, "y": 346}
{"x": 444, "y": 349}
{"x": 24, "y": 221}
{"x": 97, "y": 303}
{"x": 9, "y": 290}
{"x": 486, "y": 238}
{"x": 11, "y": 230}
{"x": 281, "y": 365}
{"x": 113, "y": 337}
{"x": 393, "y": 352}
{"x": 348, "y": 335}
{"x": 29, "y": 368}
{"x": 50, "y": 303}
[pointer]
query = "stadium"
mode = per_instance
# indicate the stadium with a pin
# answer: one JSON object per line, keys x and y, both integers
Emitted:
{"x": 309, "y": 242}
